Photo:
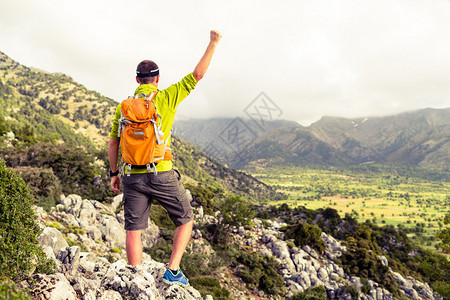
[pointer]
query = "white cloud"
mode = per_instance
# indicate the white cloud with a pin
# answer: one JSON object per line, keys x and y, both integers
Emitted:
{"x": 348, "y": 57}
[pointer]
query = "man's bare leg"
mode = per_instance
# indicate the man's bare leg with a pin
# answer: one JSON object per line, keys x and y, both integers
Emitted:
{"x": 180, "y": 241}
{"x": 134, "y": 247}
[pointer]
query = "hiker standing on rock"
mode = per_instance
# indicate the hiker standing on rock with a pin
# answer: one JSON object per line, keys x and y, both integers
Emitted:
{"x": 141, "y": 128}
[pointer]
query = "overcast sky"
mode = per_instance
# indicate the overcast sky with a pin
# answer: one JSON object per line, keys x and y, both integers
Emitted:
{"x": 312, "y": 58}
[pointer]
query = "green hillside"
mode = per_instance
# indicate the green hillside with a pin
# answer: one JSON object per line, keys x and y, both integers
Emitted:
{"x": 54, "y": 132}
{"x": 52, "y": 105}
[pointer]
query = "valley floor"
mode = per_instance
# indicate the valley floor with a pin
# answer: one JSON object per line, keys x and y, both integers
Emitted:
{"x": 415, "y": 201}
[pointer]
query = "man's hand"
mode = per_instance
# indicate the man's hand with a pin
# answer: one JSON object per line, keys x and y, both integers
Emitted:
{"x": 215, "y": 36}
{"x": 115, "y": 184}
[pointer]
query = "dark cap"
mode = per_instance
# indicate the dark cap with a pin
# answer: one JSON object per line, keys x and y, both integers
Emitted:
{"x": 147, "y": 68}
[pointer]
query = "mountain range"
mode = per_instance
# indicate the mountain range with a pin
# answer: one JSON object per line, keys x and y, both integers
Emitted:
{"x": 418, "y": 138}
{"x": 55, "y": 106}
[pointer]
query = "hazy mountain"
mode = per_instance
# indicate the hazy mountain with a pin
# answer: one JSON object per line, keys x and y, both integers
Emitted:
{"x": 418, "y": 138}
{"x": 205, "y": 131}
{"x": 225, "y": 138}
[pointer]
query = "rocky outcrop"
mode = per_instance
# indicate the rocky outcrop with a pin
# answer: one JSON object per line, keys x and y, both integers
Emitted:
{"x": 55, "y": 286}
{"x": 94, "y": 265}
{"x": 85, "y": 276}
{"x": 303, "y": 268}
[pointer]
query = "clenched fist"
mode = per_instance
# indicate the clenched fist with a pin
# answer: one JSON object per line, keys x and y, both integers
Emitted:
{"x": 215, "y": 36}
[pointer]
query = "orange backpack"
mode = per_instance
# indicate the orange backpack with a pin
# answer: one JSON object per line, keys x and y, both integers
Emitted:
{"x": 141, "y": 138}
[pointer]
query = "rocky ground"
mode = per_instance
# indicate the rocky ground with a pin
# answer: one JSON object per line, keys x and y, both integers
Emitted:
{"x": 94, "y": 265}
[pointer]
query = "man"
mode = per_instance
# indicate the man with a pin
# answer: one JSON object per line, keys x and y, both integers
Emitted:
{"x": 142, "y": 186}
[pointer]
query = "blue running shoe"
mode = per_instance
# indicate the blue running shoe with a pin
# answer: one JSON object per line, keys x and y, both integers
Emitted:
{"x": 177, "y": 278}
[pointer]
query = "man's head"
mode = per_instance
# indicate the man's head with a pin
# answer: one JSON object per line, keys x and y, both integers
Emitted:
{"x": 147, "y": 72}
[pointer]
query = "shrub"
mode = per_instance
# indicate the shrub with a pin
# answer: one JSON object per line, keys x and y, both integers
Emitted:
{"x": 160, "y": 251}
{"x": 161, "y": 218}
{"x": 196, "y": 264}
{"x": 290, "y": 244}
{"x": 74, "y": 166}
{"x": 20, "y": 252}
{"x": 444, "y": 235}
{"x": 72, "y": 243}
{"x": 9, "y": 291}
{"x": 237, "y": 212}
{"x": 352, "y": 290}
{"x": 205, "y": 197}
{"x": 365, "y": 286}
{"x": 261, "y": 272}
{"x": 43, "y": 184}
{"x": 208, "y": 285}
{"x": 305, "y": 234}
{"x": 361, "y": 259}
{"x": 443, "y": 288}
{"x": 315, "y": 293}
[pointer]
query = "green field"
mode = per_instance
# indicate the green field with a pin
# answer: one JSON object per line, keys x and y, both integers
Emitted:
{"x": 416, "y": 199}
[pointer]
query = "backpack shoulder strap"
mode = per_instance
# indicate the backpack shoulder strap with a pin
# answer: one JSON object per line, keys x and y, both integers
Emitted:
{"x": 151, "y": 96}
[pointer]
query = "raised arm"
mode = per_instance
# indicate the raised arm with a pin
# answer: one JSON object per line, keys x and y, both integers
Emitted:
{"x": 203, "y": 64}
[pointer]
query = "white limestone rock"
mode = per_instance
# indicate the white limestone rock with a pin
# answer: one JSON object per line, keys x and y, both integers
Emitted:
{"x": 53, "y": 238}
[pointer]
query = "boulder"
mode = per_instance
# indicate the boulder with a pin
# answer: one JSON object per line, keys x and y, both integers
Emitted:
{"x": 294, "y": 287}
{"x": 322, "y": 274}
{"x": 53, "y": 238}
{"x": 315, "y": 281}
{"x": 72, "y": 203}
{"x": 70, "y": 260}
{"x": 88, "y": 262}
{"x": 410, "y": 292}
{"x": 304, "y": 280}
{"x": 51, "y": 287}
{"x": 49, "y": 253}
{"x": 241, "y": 231}
{"x": 311, "y": 251}
{"x": 93, "y": 232}
{"x": 267, "y": 238}
{"x": 383, "y": 260}
{"x": 116, "y": 202}
{"x": 110, "y": 295}
{"x": 299, "y": 262}
{"x": 112, "y": 231}
{"x": 281, "y": 251}
{"x": 196, "y": 234}
{"x": 86, "y": 287}
{"x": 200, "y": 213}
{"x": 69, "y": 219}
{"x": 87, "y": 214}
{"x": 400, "y": 280}
{"x": 200, "y": 246}
{"x": 149, "y": 235}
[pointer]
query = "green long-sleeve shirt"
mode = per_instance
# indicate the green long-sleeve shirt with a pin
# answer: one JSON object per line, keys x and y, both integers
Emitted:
{"x": 166, "y": 102}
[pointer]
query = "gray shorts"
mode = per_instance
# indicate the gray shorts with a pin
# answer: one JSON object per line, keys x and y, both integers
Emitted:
{"x": 140, "y": 189}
